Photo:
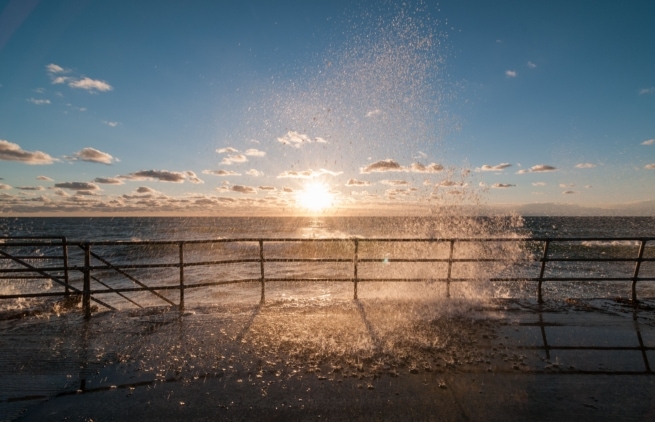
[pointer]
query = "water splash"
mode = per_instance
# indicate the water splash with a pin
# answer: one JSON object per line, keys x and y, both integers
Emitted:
{"x": 379, "y": 91}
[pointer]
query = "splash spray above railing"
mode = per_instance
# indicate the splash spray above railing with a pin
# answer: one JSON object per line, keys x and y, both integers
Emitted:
{"x": 45, "y": 267}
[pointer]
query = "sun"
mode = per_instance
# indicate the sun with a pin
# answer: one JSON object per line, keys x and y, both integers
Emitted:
{"x": 315, "y": 197}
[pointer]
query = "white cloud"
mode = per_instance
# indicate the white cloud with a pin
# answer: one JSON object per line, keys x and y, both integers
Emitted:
{"x": 355, "y": 182}
{"x": 395, "y": 182}
{"x": 532, "y": 65}
{"x": 649, "y": 142}
{"x": 502, "y": 185}
{"x": 650, "y": 166}
{"x": 450, "y": 184}
{"x": 539, "y": 168}
{"x": 92, "y": 155}
{"x": 161, "y": 175}
{"x": 78, "y": 186}
{"x": 388, "y": 165}
{"x": 221, "y": 172}
{"x": 60, "y": 80}
{"x": 539, "y": 184}
{"x": 497, "y": 167}
{"x": 244, "y": 189}
{"x": 585, "y": 166}
{"x": 382, "y": 166}
{"x": 38, "y": 102}
{"x": 566, "y": 185}
{"x": 191, "y": 177}
{"x": 108, "y": 123}
{"x": 108, "y": 181}
{"x": 306, "y": 174}
{"x": 375, "y": 112}
{"x": 252, "y": 152}
{"x": 296, "y": 139}
{"x": 4, "y": 187}
{"x": 54, "y": 68}
{"x": 13, "y": 152}
{"x": 231, "y": 159}
{"x": 430, "y": 168}
{"x": 510, "y": 73}
{"x": 145, "y": 189}
{"x": 254, "y": 172}
{"x": 44, "y": 178}
{"x": 90, "y": 85}
{"x": 647, "y": 91}
{"x": 228, "y": 149}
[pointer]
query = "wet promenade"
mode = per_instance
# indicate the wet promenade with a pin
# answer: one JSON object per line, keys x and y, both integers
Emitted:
{"x": 356, "y": 360}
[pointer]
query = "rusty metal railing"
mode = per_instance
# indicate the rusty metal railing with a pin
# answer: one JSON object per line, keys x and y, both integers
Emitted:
{"x": 538, "y": 260}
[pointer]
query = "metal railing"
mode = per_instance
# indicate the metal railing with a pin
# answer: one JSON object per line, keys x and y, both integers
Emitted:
{"x": 533, "y": 263}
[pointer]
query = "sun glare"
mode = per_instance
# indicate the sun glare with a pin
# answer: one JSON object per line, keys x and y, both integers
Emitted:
{"x": 315, "y": 197}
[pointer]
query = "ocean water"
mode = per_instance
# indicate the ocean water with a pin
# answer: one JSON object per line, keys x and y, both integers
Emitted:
{"x": 183, "y": 228}
{"x": 180, "y": 228}
{"x": 296, "y": 282}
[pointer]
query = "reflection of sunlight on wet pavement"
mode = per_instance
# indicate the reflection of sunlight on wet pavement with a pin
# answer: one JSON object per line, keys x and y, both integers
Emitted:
{"x": 366, "y": 344}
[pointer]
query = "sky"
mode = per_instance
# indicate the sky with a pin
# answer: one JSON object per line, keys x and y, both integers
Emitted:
{"x": 334, "y": 107}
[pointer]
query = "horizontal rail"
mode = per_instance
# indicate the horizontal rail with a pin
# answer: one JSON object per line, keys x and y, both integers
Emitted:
{"x": 321, "y": 260}
{"x": 25, "y": 295}
{"x": 333, "y": 240}
{"x": 28, "y": 270}
{"x": 33, "y": 257}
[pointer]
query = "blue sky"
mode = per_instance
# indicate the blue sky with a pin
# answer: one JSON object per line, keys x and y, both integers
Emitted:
{"x": 231, "y": 107}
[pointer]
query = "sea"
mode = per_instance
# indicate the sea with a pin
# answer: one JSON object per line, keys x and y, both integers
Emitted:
{"x": 224, "y": 262}
{"x": 192, "y": 228}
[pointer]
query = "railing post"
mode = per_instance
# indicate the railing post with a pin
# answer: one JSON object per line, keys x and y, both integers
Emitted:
{"x": 181, "y": 246}
{"x": 450, "y": 266}
{"x": 86, "y": 290}
{"x": 66, "y": 280}
{"x": 635, "y": 277}
{"x": 355, "y": 259}
{"x": 261, "y": 269}
{"x": 542, "y": 271}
